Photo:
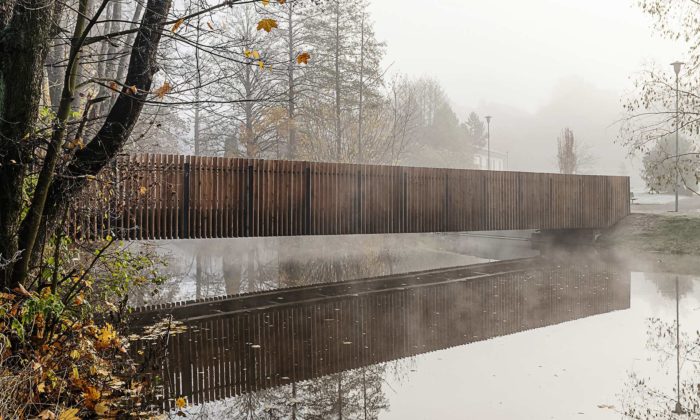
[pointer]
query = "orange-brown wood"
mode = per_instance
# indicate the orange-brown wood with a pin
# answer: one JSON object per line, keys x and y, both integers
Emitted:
{"x": 143, "y": 197}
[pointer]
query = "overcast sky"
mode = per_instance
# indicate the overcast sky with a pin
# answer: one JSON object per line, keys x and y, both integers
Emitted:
{"x": 514, "y": 52}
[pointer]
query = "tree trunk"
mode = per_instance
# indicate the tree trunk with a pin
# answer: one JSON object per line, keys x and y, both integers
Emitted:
{"x": 338, "y": 134}
{"x": 25, "y": 33}
{"x": 29, "y": 229}
{"x": 110, "y": 59}
{"x": 232, "y": 275}
{"x": 102, "y": 65}
{"x": 118, "y": 125}
{"x": 124, "y": 60}
{"x": 250, "y": 146}
{"x": 57, "y": 54}
{"x": 199, "y": 275}
{"x": 362, "y": 85}
{"x": 125, "y": 113}
{"x": 197, "y": 105}
{"x": 291, "y": 124}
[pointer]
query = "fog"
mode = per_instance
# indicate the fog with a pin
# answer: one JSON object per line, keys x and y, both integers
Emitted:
{"x": 536, "y": 66}
{"x": 515, "y": 53}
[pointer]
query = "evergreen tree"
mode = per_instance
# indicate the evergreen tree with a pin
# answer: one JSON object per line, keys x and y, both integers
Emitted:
{"x": 474, "y": 131}
{"x": 346, "y": 77}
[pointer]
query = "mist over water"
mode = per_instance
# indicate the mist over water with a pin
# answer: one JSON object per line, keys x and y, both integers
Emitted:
{"x": 568, "y": 336}
{"x": 266, "y": 119}
{"x": 354, "y": 326}
{"x": 216, "y": 267}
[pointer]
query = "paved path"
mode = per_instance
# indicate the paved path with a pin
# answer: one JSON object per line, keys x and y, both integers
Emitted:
{"x": 664, "y": 203}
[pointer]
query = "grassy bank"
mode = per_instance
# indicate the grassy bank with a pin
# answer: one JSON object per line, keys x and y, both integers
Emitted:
{"x": 663, "y": 233}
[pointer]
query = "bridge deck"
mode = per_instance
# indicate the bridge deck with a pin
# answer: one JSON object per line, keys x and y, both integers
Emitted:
{"x": 178, "y": 197}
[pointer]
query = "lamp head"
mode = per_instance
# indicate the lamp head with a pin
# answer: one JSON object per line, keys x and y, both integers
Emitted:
{"x": 488, "y": 119}
{"x": 677, "y": 67}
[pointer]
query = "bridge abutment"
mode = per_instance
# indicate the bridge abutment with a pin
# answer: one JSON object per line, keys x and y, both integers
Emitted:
{"x": 558, "y": 238}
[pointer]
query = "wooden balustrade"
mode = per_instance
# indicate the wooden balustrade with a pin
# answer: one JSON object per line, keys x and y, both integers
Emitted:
{"x": 155, "y": 196}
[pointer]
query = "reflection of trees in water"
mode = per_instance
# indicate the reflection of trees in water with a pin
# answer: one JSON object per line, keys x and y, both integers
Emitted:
{"x": 215, "y": 267}
{"x": 248, "y": 272}
{"x": 259, "y": 268}
{"x": 354, "y": 394}
{"x": 666, "y": 285}
{"x": 643, "y": 399}
{"x": 175, "y": 272}
{"x": 324, "y": 270}
{"x": 206, "y": 268}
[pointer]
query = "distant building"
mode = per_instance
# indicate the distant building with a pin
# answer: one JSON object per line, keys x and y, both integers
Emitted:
{"x": 499, "y": 160}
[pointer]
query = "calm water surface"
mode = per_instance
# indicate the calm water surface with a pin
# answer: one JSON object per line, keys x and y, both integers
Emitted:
{"x": 573, "y": 336}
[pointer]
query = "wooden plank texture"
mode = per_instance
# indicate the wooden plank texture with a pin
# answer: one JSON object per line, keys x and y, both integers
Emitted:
{"x": 153, "y": 196}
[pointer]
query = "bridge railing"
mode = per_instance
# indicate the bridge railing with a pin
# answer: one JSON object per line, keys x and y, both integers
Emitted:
{"x": 155, "y": 196}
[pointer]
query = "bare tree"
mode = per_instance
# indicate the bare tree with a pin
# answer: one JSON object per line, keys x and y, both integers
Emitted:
{"x": 650, "y": 117}
{"x": 62, "y": 146}
{"x": 567, "y": 157}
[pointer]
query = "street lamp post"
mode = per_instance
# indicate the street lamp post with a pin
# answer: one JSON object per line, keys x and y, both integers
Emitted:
{"x": 679, "y": 408}
{"x": 488, "y": 141}
{"x": 677, "y": 69}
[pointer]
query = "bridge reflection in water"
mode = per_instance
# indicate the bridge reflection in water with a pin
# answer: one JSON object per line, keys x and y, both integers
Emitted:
{"x": 246, "y": 351}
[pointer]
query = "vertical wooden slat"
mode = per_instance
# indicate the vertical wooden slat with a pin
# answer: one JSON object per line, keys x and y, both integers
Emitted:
{"x": 143, "y": 197}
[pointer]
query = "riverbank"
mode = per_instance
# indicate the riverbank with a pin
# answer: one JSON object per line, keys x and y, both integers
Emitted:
{"x": 656, "y": 233}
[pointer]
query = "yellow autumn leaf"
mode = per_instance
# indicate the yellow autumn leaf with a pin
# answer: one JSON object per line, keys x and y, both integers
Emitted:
{"x": 163, "y": 90}
{"x": 75, "y": 143}
{"x": 41, "y": 388}
{"x": 267, "y": 24}
{"x": 247, "y": 53}
{"x": 133, "y": 89}
{"x": 105, "y": 336}
{"x": 91, "y": 395}
{"x": 303, "y": 58}
{"x": 256, "y": 55}
{"x": 45, "y": 415}
{"x": 142, "y": 190}
{"x": 265, "y": 2}
{"x": 281, "y": 1}
{"x": 75, "y": 354}
{"x": 177, "y": 25}
{"x": 261, "y": 64}
{"x": 114, "y": 86}
{"x": 181, "y": 402}
{"x": 70, "y": 414}
{"x": 101, "y": 408}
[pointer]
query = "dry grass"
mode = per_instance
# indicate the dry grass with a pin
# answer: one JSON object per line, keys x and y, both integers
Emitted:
{"x": 14, "y": 388}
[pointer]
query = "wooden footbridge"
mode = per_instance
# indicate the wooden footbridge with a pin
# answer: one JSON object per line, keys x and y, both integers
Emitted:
{"x": 153, "y": 196}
